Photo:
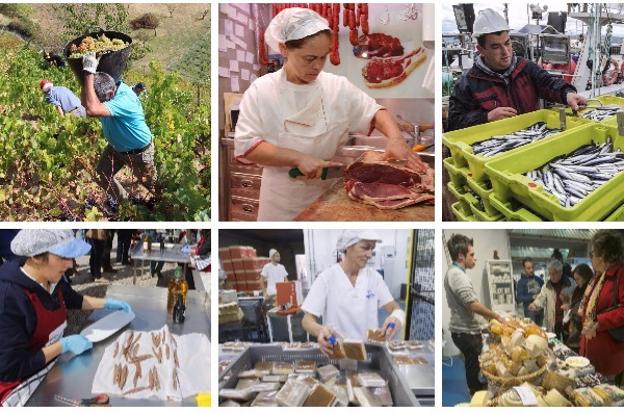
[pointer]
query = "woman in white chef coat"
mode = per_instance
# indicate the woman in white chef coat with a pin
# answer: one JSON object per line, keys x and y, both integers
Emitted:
{"x": 299, "y": 116}
{"x": 273, "y": 272}
{"x": 348, "y": 295}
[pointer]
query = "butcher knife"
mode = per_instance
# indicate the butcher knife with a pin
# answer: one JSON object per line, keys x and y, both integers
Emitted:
{"x": 328, "y": 172}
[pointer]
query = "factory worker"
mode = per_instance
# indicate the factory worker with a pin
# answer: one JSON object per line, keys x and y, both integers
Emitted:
{"x": 273, "y": 272}
{"x": 299, "y": 116}
{"x": 348, "y": 295}
{"x": 33, "y": 309}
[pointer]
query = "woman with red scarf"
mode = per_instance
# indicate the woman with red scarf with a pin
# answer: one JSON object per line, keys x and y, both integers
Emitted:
{"x": 602, "y": 309}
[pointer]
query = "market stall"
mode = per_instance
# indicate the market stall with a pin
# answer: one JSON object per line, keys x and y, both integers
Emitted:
{"x": 367, "y": 38}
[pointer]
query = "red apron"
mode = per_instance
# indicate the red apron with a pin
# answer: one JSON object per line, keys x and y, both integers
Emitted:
{"x": 49, "y": 329}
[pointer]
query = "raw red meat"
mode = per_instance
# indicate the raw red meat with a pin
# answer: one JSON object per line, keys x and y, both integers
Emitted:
{"x": 373, "y": 180}
{"x": 381, "y": 45}
{"x": 385, "y": 72}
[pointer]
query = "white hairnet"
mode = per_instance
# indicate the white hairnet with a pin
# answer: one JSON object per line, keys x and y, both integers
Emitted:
{"x": 353, "y": 236}
{"x": 272, "y": 252}
{"x": 293, "y": 24}
{"x": 31, "y": 242}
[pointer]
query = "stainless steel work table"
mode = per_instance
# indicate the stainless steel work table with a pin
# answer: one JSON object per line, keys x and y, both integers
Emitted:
{"x": 72, "y": 377}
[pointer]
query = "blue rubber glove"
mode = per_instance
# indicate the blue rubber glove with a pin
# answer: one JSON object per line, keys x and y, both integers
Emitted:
{"x": 77, "y": 344}
{"x": 112, "y": 304}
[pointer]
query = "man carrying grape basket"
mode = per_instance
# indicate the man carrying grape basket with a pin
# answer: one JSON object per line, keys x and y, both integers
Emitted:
{"x": 130, "y": 140}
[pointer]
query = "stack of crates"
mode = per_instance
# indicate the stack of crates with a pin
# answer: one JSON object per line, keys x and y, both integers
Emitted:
{"x": 242, "y": 267}
{"x": 470, "y": 182}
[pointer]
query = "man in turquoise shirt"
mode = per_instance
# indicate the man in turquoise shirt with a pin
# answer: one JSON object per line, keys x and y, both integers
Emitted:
{"x": 129, "y": 138}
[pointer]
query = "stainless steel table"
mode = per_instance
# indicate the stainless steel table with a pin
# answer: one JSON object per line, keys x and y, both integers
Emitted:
{"x": 72, "y": 377}
{"x": 171, "y": 253}
{"x": 421, "y": 378}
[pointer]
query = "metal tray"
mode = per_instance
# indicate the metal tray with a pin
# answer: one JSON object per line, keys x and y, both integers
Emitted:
{"x": 379, "y": 359}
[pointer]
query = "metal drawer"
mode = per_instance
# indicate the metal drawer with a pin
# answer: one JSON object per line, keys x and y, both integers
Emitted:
{"x": 243, "y": 209}
{"x": 246, "y": 186}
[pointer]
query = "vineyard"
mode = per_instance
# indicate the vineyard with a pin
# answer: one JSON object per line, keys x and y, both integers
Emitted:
{"x": 47, "y": 162}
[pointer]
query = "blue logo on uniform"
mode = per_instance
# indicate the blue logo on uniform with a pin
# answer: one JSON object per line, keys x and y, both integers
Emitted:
{"x": 370, "y": 294}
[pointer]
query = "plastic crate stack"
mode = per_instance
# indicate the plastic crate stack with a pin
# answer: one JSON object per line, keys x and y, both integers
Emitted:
{"x": 496, "y": 188}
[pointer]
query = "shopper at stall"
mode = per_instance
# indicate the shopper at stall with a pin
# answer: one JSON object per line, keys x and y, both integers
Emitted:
{"x": 300, "y": 116}
{"x": 572, "y": 320}
{"x": 500, "y": 85}
{"x": 567, "y": 268}
{"x": 464, "y": 304}
{"x": 602, "y": 308}
{"x": 349, "y": 294}
{"x": 527, "y": 290}
{"x": 556, "y": 292}
{"x": 33, "y": 310}
{"x": 272, "y": 273}
{"x": 129, "y": 138}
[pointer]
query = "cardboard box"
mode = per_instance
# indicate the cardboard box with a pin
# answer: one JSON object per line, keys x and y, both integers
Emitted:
{"x": 238, "y": 264}
{"x": 249, "y": 263}
{"x": 237, "y": 251}
{"x": 227, "y": 265}
{"x": 253, "y": 275}
{"x": 249, "y": 252}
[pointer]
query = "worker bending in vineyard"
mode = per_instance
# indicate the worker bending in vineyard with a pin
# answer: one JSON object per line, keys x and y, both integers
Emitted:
{"x": 130, "y": 140}
{"x": 63, "y": 99}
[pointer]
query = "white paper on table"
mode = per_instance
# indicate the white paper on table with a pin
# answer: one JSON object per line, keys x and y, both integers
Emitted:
{"x": 222, "y": 43}
{"x": 245, "y": 74}
{"x": 239, "y": 30}
{"x": 234, "y": 86}
{"x": 224, "y": 72}
{"x": 193, "y": 374}
{"x": 234, "y": 66}
{"x": 240, "y": 56}
{"x": 250, "y": 57}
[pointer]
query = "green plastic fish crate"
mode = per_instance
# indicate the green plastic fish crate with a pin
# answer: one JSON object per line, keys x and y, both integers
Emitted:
{"x": 617, "y": 215}
{"x": 460, "y": 141}
{"x": 460, "y": 215}
{"x": 481, "y": 215}
{"x": 484, "y": 190}
{"x": 463, "y": 195}
{"x": 513, "y": 211}
{"x": 605, "y": 100}
{"x": 457, "y": 174}
{"x": 509, "y": 182}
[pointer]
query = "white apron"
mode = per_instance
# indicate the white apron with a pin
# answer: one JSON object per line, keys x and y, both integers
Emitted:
{"x": 308, "y": 131}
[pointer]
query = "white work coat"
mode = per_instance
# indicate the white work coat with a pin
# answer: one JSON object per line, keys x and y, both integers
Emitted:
{"x": 273, "y": 273}
{"x": 314, "y": 119}
{"x": 349, "y": 310}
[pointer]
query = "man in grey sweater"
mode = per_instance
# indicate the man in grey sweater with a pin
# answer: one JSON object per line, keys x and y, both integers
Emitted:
{"x": 464, "y": 305}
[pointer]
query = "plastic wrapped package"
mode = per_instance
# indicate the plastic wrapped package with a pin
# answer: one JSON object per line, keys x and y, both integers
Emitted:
{"x": 241, "y": 395}
{"x": 282, "y": 368}
{"x": 586, "y": 397}
{"x": 265, "y": 399}
{"x": 243, "y": 384}
{"x": 321, "y": 396}
{"x": 293, "y": 393}
{"x": 305, "y": 366}
{"x": 264, "y": 367}
{"x": 249, "y": 374}
{"x": 612, "y": 395}
{"x": 327, "y": 372}
{"x": 342, "y": 398}
{"x": 265, "y": 386}
{"x": 354, "y": 350}
{"x": 554, "y": 398}
{"x": 370, "y": 379}
{"x": 380, "y": 396}
{"x": 272, "y": 378}
{"x": 376, "y": 336}
{"x": 230, "y": 403}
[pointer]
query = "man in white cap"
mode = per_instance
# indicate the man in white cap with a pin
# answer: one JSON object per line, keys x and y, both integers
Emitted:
{"x": 299, "y": 116}
{"x": 500, "y": 85}
{"x": 273, "y": 273}
{"x": 33, "y": 309}
{"x": 348, "y": 295}
{"x": 63, "y": 99}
